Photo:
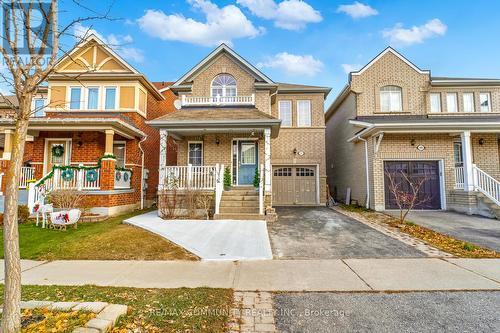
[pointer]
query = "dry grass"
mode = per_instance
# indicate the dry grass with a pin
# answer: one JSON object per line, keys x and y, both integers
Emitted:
{"x": 440, "y": 241}
{"x": 106, "y": 240}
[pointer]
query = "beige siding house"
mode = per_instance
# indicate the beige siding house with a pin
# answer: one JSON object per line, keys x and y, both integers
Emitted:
{"x": 231, "y": 115}
{"x": 392, "y": 117}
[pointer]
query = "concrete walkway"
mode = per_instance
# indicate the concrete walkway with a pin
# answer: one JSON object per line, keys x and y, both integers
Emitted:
{"x": 211, "y": 240}
{"x": 478, "y": 230}
{"x": 417, "y": 274}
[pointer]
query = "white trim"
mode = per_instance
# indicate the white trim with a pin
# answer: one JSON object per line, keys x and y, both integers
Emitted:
{"x": 202, "y": 151}
{"x": 291, "y": 112}
{"x": 46, "y": 152}
{"x": 397, "y": 54}
{"x": 215, "y": 53}
{"x": 224, "y": 87}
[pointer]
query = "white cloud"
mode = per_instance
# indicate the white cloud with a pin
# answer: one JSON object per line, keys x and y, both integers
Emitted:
{"x": 357, "y": 10}
{"x": 294, "y": 65}
{"x": 222, "y": 25}
{"x": 350, "y": 67}
{"x": 288, "y": 14}
{"x": 119, "y": 43}
{"x": 416, "y": 34}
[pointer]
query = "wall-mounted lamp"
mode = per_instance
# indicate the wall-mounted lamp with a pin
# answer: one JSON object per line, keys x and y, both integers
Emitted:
{"x": 217, "y": 141}
{"x": 413, "y": 141}
{"x": 481, "y": 141}
{"x": 295, "y": 151}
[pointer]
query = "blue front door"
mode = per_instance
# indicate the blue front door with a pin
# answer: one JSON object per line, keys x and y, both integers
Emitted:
{"x": 247, "y": 162}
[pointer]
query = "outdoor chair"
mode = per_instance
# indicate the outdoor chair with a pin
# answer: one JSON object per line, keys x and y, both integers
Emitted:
{"x": 60, "y": 220}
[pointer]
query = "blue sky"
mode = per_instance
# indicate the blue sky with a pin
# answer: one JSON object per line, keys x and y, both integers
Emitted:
{"x": 309, "y": 42}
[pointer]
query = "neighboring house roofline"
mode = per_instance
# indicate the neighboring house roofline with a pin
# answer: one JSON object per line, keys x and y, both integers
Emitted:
{"x": 289, "y": 88}
{"x": 449, "y": 81}
{"x": 337, "y": 101}
{"x": 221, "y": 48}
{"x": 397, "y": 54}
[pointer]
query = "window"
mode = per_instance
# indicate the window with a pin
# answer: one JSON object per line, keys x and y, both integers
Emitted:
{"x": 468, "y": 102}
{"x": 285, "y": 113}
{"x": 224, "y": 85}
{"x": 247, "y": 153}
{"x": 283, "y": 172}
{"x": 303, "y": 113}
{"x": 110, "y": 101}
{"x": 195, "y": 154}
{"x": 451, "y": 102}
{"x": 93, "y": 98}
{"x": 485, "y": 102}
{"x": 119, "y": 150}
{"x": 39, "y": 107}
{"x": 457, "y": 153}
{"x": 304, "y": 172}
{"x": 75, "y": 98}
{"x": 390, "y": 99}
{"x": 435, "y": 102}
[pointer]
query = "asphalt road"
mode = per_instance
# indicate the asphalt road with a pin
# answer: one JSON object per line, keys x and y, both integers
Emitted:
{"x": 321, "y": 233}
{"x": 382, "y": 312}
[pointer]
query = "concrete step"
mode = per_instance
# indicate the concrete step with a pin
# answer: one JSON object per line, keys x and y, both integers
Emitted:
{"x": 239, "y": 203}
{"x": 237, "y": 193}
{"x": 239, "y": 217}
{"x": 238, "y": 210}
{"x": 493, "y": 207}
{"x": 240, "y": 197}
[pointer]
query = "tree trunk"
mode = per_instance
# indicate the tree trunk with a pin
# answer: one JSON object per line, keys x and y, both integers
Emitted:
{"x": 11, "y": 316}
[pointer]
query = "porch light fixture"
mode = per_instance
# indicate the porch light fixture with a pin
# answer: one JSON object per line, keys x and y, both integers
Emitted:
{"x": 295, "y": 151}
{"x": 413, "y": 141}
{"x": 481, "y": 141}
{"x": 217, "y": 141}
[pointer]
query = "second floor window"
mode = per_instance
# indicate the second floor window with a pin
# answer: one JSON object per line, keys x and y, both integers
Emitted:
{"x": 39, "y": 107}
{"x": 468, "y": 102}
{"x": 451, "y": 102}
{"x": 110, "y": 101}
{"x": 223, "y": 85}
{"x": 285, "y": 113}
{"x": 485, "y": 100}
{"x": 304, "y": 113}
{"x": 93, "y": 98}
{"x": 75, "y": 98}
{"x": 391, "y": 99}
{"x": 435, "y": 102}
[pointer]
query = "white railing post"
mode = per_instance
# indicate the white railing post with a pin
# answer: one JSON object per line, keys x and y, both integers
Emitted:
{"x": 189, "y": 175}
{"x": 467, "y": 161}
{"x": 261, "y": 190}
{"x": 79, "y": 180}
{"x": 475, "y": 179}
{"x": 56, "y": 178}
{"x": 218, "y": 191}
{"x": 31, "y": 197}
{"x": 183, "y": 100}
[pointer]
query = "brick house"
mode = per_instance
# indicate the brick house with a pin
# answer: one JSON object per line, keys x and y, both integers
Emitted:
{"x": 88, "y": 132}
{"x": 392, "y": 117}
{"x": 231, "y": 115}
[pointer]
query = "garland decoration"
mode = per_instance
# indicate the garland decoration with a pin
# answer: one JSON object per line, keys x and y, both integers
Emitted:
{"x": 58, "y": 150}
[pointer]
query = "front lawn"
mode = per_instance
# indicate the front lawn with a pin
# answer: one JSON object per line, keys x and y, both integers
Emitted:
{"x": 150, "y": 310}
{"x": 106, "y": 240}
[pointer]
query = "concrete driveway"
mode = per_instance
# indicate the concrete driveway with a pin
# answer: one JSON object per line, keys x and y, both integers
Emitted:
{"x": 321, "y": 233}
{"x": 478, "y": 230}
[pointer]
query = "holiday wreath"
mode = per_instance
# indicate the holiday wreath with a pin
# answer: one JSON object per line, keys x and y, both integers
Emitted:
{"x": 57, "y": 151}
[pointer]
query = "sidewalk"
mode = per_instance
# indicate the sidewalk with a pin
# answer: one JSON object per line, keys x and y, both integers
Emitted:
{"x": 420, "y": 274}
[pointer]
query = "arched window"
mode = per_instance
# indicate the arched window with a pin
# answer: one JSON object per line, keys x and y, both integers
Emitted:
{"x": 391, "y": 99}
{"x": 224, "y": 85}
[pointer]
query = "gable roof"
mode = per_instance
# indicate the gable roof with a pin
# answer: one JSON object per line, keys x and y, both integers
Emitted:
{"x": 397, "y": 54}
{"x": 223, "y": 48}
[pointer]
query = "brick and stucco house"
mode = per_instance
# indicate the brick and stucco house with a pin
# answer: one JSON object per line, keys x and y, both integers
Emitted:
{"x": 393, "y": 116}
{"x": 88, "y": 132}
{"x": 230, "y": 114}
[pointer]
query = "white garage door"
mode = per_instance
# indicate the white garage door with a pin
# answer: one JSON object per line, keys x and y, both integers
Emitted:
{"x": 294, "y": 185}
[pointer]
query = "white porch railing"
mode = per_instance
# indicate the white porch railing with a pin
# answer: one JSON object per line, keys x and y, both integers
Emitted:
{"x": 219, "y": 186}
{"x": 261, "y": 190}
{"x": 193, "y": 177}
{"x": 459, "y": 178}
{"x": 217, "y": 100}
{"x": 486, "y": 184}
{"x": 27, "y": 173}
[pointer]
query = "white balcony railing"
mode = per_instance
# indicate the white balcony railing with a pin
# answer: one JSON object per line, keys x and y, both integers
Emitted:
{"x": 27, "y": 173}
{"x": 486, "y": 184}
{"x": 123, "y": 179}
{"x": 217, "y": 100}
{"x": 189, "y": 176}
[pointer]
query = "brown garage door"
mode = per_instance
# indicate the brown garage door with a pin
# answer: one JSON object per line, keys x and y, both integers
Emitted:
{"x": 294, "y": 185}
{"x": 429, "y": 196}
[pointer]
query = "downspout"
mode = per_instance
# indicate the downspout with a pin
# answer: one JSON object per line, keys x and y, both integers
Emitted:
{"x": 367, "y": 205}
{"x": 142, "y": 170}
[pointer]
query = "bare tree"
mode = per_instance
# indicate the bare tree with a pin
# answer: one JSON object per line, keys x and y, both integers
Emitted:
{"x": 29, "y": 60}
{"x": 406, "y": 191}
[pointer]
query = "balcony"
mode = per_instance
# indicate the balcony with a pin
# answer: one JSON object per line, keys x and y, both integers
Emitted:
{"x": 218, "y": 100}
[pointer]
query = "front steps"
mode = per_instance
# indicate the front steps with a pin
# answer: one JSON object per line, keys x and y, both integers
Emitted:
{"x": 492, "y": 206}
{"x": 240, "y": 203}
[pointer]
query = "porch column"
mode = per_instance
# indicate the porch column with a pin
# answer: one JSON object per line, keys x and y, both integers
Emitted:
{"x": 163, "y": 157}
{"x": 267, "y": 160}
{"x": 467, "y": 160}
{"x": 109, "y": 142}
{"x": 7, "y": 150}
